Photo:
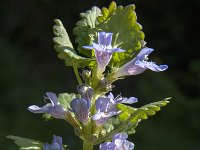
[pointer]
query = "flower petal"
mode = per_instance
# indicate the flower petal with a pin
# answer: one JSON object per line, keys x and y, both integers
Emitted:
{"x": 52, "y": 97}
{"x": 102, "y": 117}
{"x": 52, "y": 108}
{"x": 117, "y": 50}
{"x": 122, "y": 136}
{"x": 36, "y": 109}
{"x": 144, "y": 53}
{"x": 151, "y": 65}
{"x": 130, "y": 100}
{"x": 102, "y": 104}
{"x": 105, "y": 38}
{"x": 98, "y": 47}
{"x": 111, "y": 96}
{"x": 57, "y": 112}
{"x": 124, "y": 144}
{"x": 103, "y": 58}
{"x": 107, "y": 146}
{"x": 85, "y": 91}
{"x": 88, "y": 47}
{"x": 56, "y": 144}
{"x": 119, "y": 142}
{"x": 57, "y": 139}
{"x": 134, "y": 70}
{"x": 80, "y": 106}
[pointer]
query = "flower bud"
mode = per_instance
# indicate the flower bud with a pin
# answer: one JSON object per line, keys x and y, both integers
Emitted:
{"x": 105, "y": 85}
{"x": 86, "y": 75}
{"x": 85, "y": 91}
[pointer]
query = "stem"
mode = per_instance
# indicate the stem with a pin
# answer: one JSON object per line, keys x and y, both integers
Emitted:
{"x": 77, "y": 74}
{"x": 87, "y": 145}
{"x": 115, "y": 40}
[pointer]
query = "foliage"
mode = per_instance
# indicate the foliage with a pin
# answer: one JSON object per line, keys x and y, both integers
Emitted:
{"x": 65, "y": 49}
{"x": 25, "y": 143}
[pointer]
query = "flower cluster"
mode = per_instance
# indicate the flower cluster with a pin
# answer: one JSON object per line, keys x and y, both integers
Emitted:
{"x": 106, "y": 107}
{"x": 92, "y": 107}
{"x": 103, "y": 53}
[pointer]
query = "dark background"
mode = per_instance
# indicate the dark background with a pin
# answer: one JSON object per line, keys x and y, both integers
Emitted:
{"x": 30, "y": 67}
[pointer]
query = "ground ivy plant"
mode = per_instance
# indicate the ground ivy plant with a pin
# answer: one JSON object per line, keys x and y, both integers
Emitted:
{"x": 110, "y": 47}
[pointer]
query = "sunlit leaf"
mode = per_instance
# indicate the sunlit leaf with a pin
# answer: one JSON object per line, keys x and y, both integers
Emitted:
{"x": 26, "y": 144}
{"x": 132, "y": 116}
{"x": 121, "y": 21}
{"x": 127, "y": 34}
{"x": 65, "y": 49}
{"x": 65, "y": 99}
{"x": 85, "y": 29}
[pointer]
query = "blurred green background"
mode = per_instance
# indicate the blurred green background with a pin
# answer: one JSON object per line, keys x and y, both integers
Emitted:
{"x": 30, "y": 67}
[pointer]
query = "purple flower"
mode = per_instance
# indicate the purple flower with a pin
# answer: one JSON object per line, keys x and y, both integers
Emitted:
{"x": 56, "y": 144}
{"x": 103, "y": 50}
{"x": 119, "y": 142}
{"x": 80, "y": 107}
{"x": 106, "y": 107}
{"x": 85, "y": 91}
{"x": 52, "y": 108}
{"x": 139, "y": 64}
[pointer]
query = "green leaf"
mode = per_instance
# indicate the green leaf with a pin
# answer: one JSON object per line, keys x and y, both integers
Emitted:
{"x": 129, "y": 118}
{"x": 26, "y": 144}
{"x": 106, "y": 13}
{"x": 126, "y": 31}
{"x": 66, "y": 98}
{"x": 65, "y": 49}
{"x": 85, "y": 29}
{"x": 109, "y": 125}
{"x": 122, "y": 22}
{"x": 47, "y": 117}
{"x": 132, "y": 116}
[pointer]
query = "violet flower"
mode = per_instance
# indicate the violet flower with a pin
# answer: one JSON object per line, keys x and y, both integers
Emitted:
{"x": 103, "y": 50}
{"x": 119, "y": 142}
{"x": 85, "y": 91}
{"x": 56, "y": 144}
{"x": 80, "y": 107}
{"x": 138, "y": 65}
{"x": 106, "y": 107}
{"x": 52, "y": 108}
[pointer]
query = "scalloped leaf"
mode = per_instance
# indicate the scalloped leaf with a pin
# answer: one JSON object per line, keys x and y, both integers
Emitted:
{"x": 122, "y": 22}
{"x": 132, "y": 116}
{"x": 65, "y": 49}
{"x": 126, "y": 31}
{"x": 85, "y": 29}
{"x": 25, "y": 143}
